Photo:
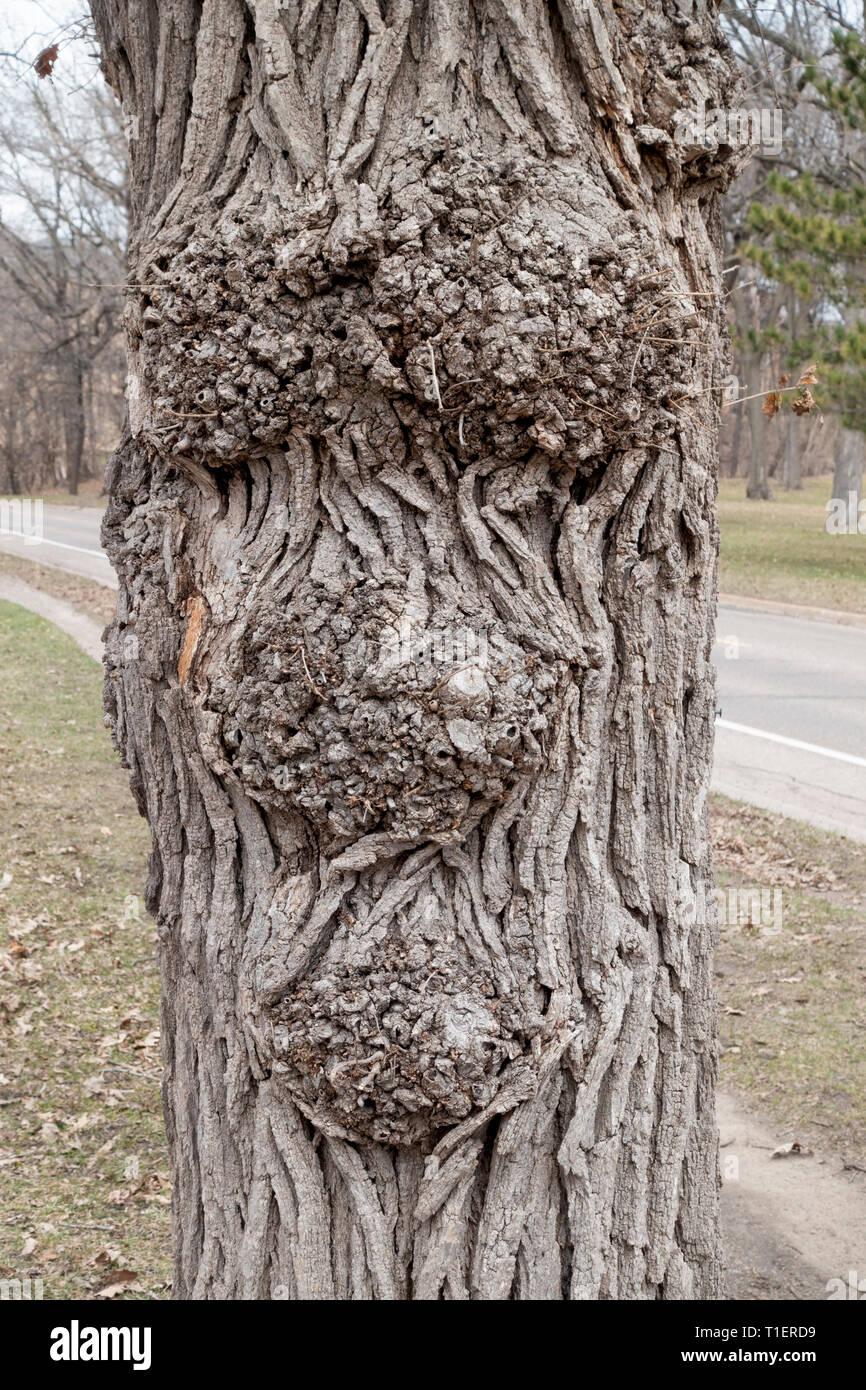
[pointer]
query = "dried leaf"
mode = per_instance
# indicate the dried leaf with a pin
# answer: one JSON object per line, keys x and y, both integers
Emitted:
{"x": 784, "y": 379}
{"x": 772, "y": 404}
{"x": 809, "y": 377}
{"x": 122, "y": 1281}
{"x": 44, "y": 61}
{"x": 803, "y": 403}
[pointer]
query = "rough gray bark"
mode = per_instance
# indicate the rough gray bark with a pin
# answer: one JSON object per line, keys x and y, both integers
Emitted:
{"x": 416, "y": 539}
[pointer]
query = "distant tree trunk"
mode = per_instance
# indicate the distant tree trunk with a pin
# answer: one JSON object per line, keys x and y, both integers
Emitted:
{"x": 11, "y": 446}
{"x": 72, "y": 387}
{"x": 791, "y": 473}
{"x": 848, "y": 475}
{"x": 791, "y": 479}
{"x": 416, "y": 538}
{"x": 757, "y": 485}
{"x": 736, "y": 442}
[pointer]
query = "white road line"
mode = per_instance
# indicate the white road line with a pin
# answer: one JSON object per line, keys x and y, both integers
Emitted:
{"x": 64, "y": 545}
{"x": 791, "y": 742}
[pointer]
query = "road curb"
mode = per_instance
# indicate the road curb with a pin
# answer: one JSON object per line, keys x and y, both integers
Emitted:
{"x": 793, "y": 610}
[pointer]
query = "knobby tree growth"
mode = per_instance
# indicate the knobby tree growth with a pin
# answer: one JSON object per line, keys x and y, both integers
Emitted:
{"x": 415, "y": 532}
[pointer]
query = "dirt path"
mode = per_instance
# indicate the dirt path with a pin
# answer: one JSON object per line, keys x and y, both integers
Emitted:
{"x": 790, "y": 1224}
{"x": 83, "y": 630}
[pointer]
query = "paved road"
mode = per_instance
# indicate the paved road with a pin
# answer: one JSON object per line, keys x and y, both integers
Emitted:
{"x": 792, "y": 731}
{"x": 70, "y": 542}
{"x": 792, "y": 693}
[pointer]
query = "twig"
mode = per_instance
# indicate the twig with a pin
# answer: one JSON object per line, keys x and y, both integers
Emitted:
{"x": 310, "y": 682}
{"x": 435, "y": 377}
{"x": 589, "y": 405}
{"x": 193, "y": 415}
{"x": 470, "y": 381}
{"x": 122, "y": 1066}
{"x": 640, "y": 348}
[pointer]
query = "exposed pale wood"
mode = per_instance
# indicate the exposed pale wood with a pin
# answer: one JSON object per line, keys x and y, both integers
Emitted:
{"x": 436, "y": 932}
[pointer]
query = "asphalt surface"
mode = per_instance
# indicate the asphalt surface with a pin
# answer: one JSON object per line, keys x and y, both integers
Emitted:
{"x": 792, "y": 732}
{"x": 70, "y": 541}
{"x": 791, "y": 735}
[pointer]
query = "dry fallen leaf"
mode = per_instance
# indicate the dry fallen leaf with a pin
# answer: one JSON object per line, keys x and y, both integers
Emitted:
{"x": 793, "y": 1150}
{"x": 772, "y": 404}
{"x": 122, "y": 1281}
{"x": 106, "y": 1256}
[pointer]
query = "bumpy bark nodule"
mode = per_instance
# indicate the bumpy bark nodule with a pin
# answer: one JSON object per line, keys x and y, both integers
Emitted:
{"x": 416, "y": 539}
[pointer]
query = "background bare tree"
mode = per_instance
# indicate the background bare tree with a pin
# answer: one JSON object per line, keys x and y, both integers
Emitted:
{"x": 62, "y": 267}
{"x": 798, "y": 280}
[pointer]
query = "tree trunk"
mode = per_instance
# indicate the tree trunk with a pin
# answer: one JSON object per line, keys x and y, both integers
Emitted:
{"x": 736, "y": 443}
{"x": 848, "y": 474}
{"x": 791, "y": 479}
{"x": 416, "y": 538}
{"x": 791, "y": 470}
{"x": 757, "y": 485}
{"x": 72, "y": 387}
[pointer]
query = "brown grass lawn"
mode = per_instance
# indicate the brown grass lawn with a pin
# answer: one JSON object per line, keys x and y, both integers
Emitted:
{"x": 782, "y": 550}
